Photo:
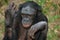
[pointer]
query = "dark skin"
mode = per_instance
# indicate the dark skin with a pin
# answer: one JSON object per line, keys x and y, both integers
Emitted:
{"x": 31, "y": 15}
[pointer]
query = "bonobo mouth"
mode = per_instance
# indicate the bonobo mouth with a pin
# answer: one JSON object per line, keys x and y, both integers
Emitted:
{"x": 26, "y": 25}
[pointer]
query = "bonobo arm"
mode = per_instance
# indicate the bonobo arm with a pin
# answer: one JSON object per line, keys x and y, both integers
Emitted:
{"x": 38, "y": 26}
{"x": 16, "y": 26}
{"x": 8, "y": 21}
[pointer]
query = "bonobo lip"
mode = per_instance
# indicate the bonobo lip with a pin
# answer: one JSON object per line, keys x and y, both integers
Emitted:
{"x": 26, "y": 25}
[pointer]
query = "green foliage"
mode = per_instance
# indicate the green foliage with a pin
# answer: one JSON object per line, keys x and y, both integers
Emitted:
{"x": 41, "y": 2}
{"x": 52, "y": 35}
{"x": 2, "y": 2}
{"x": 54, "y": 5}
{"x": 57, "y": 27}
{"x": 53, "y": 18}
{"x": 6, "y": 1}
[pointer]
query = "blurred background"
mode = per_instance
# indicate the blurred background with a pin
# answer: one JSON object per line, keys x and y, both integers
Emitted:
{"x": 51, "y": 8}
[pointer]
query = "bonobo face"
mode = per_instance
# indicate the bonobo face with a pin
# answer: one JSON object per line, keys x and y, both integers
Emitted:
{"x": 28, "y": 14}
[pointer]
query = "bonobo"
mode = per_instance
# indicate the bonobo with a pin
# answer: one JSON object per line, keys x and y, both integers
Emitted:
{"x": 33, "y": 23}
{"x": 28, "y": 23}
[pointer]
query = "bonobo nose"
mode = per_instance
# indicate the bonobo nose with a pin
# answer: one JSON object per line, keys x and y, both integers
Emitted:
{"x": 26, "y": 20}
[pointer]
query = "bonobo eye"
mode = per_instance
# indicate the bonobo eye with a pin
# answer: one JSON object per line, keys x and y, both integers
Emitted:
{"x": 27, "y": 15}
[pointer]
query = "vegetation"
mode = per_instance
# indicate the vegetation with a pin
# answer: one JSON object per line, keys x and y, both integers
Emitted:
{"x": 51, "y": 8}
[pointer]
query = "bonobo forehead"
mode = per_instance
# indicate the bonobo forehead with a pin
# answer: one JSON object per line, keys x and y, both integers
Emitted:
{"x": 28, "y": 10}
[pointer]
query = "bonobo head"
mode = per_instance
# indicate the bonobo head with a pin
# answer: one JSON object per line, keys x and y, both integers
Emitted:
{"x": 28, "y": 12}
